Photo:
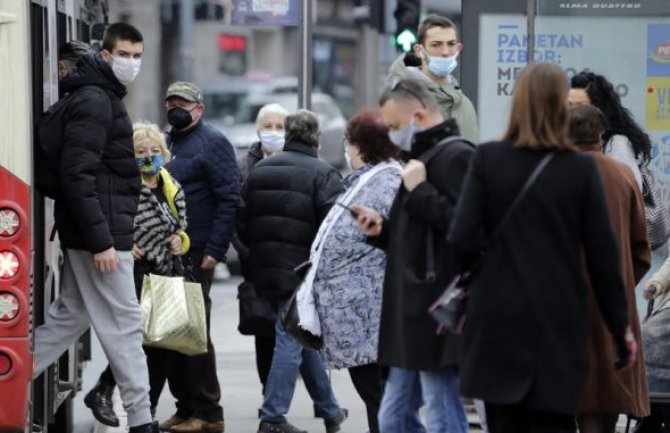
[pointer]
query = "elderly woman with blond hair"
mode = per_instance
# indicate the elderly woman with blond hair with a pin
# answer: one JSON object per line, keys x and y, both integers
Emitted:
{"x": 159, "y": 236}
{"x": 525, "y": 339}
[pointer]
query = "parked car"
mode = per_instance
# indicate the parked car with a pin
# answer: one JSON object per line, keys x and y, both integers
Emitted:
{"x": 242, "y": 132}
{"x": 224, "y": 96}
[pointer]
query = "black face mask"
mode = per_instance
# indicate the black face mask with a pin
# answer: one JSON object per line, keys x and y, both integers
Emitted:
{"x": 179, "y": 118}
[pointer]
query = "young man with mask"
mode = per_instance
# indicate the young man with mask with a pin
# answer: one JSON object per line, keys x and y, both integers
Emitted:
{"x": 438, "y": 48}
{"x": 94, "y": 210}
{"x": 418, "y": 262}
{"x": 204, "y": 164}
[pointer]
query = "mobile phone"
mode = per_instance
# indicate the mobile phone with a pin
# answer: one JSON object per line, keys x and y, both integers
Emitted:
{"x": 351, "y": 211}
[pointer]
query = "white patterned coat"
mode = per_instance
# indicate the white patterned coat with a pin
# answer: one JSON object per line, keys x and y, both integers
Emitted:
{"x": 350, "y": 276}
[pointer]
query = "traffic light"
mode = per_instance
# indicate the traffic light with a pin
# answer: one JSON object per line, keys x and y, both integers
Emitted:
{"x": 407, "y": 16}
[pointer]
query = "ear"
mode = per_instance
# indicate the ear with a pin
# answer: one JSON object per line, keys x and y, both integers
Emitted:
{"x": 420, "y": 116}
{"x": 107, "y": 57}
{"x": 62, "y": 69}
{"x": 418, "y": 50}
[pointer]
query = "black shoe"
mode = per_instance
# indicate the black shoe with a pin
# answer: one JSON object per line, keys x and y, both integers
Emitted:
{"x": 99, "y": 400}
{"x": 333, "y": 425}
{"x": 268, "y": 427}
{"x": 151, "y": 427}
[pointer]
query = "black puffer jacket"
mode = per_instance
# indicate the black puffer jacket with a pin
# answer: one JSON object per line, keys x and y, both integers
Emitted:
{"x": 286, "y": 197}
{"x": 99, "y": 179}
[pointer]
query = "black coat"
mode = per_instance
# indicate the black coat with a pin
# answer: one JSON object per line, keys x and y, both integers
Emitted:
{"x": 286, "y": 197}
{"x": 205, "y": 166}
{"x": 526, "y": 329}
{"x": 99, "y": 179}
{"x": 408, "y": 336}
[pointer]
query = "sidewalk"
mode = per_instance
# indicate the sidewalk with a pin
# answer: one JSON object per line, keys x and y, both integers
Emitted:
{"x": 240, "y": 386}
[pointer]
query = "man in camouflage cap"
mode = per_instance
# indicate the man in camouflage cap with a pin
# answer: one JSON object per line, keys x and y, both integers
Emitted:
{"x": 205, "y": 166}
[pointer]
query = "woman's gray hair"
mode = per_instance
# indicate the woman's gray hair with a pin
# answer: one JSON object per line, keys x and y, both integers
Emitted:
{"x": 270, "y": 110}
{"x": 302, "y": 126}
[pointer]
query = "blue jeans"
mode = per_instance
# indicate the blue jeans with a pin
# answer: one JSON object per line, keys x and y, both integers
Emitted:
{"x": 288, "y": 356}
{"x": 441, "y": 395}
{"x": 401, "y": 401}
{"x": 445, "y": 413}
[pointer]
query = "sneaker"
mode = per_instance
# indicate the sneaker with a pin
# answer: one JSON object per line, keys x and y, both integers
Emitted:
{"x": 333, "y": 425}
{"x": 268, "y": 427}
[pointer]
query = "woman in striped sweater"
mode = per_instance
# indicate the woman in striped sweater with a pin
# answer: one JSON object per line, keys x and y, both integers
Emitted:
{"x": 160, "y": 236}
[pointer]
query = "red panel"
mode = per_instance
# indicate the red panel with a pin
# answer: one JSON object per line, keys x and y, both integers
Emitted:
{"x": 15, "y": 384}
{"x": 15, "y": 206}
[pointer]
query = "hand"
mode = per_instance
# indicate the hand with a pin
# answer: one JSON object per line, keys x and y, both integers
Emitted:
{"x": 175, "y": 244}
{"x": 368, "y": 219}
{"x": 137, "y": 252}
{"x": 413, "y": 174}
{"x": 627, "y": 350}
{"x": 208, "y": 262}
{"x": 653, "y": 291}
{"x": 106, "y": 261}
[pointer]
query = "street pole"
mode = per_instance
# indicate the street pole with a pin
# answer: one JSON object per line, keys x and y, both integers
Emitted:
{"x": 530, "y": 11}
{"x": 186, "y": 30}
{"x": 305, "y": 75}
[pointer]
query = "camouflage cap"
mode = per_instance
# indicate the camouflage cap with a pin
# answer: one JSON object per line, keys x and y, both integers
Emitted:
{"x": 185, "y": 90}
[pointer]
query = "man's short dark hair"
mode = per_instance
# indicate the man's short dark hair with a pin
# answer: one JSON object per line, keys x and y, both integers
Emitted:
{"x": 431, "y": 21}
{"x": 407, "y": 90}
{"x": 587, "y": 124}
{"x": 72, "y": 51}
{"x": 302, "y": 126}
{"x": 120, "y": 31}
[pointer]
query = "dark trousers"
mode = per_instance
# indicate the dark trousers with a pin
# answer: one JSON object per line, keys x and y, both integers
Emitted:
{"x": 368, "y": 383}
{"x": 519, "y": 419}
{"x": 265, "y": 347}
{"x": 194, "y": 382}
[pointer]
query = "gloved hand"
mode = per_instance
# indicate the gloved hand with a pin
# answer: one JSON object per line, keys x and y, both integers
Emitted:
{"x": 626, "y": 349}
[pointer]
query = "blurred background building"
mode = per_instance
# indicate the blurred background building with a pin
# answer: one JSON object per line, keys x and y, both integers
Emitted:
{"x": 352, "y": 48}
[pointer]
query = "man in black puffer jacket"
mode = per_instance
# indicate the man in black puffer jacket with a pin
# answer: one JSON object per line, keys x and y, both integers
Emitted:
{"x": 286, "y": 197}
{"x": 97, "y": 199}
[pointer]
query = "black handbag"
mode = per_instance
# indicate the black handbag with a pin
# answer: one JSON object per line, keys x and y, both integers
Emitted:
{"x": 257, "y": 316}
{"x": 291, "y": 318}
{"x": 450, "y": 308}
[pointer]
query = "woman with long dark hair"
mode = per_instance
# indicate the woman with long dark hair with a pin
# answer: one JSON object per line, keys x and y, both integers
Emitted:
{"x": 623, "y": 139}
{"x": 524, "y": 348}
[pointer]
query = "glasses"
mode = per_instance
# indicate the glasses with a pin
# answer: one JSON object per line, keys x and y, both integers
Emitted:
{"x": 399, "y": 85}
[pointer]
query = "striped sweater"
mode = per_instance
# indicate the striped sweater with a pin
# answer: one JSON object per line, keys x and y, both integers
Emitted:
{"x": 154, "y": 224}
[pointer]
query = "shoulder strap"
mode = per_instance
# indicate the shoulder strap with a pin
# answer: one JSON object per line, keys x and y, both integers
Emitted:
{"x": 529, "y": 182}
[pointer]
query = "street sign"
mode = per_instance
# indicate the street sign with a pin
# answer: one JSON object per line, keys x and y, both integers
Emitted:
{"x": 266, "y": 12}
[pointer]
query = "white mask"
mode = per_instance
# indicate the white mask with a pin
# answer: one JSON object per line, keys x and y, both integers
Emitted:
{"x": 125, "y": 69}
{"x": 272, "y": 141}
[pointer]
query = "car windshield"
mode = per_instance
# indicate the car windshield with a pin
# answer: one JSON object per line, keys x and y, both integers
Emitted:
{"x": 219, "y": 105}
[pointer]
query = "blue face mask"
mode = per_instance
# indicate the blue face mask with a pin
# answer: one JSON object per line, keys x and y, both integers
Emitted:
{"x": 150, "y": 165}
{"x": 403, "y": 137}
{"x": 442, "y": 66}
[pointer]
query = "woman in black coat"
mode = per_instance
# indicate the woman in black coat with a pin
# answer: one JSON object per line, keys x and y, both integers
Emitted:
{"x": 524, "y": 348}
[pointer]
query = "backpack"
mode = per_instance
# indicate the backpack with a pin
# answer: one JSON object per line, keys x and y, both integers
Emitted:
{"x": 49, "y": 146}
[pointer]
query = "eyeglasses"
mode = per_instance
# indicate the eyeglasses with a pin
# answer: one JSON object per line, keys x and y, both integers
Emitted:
{"x": 399, "y": 85}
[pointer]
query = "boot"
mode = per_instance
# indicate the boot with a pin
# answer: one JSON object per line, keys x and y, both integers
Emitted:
{"x": 99, "y": 400}
{"x": 151, "y": 427}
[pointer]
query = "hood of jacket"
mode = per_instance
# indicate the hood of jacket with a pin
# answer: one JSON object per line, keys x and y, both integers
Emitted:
{"x": 92, "y": 70}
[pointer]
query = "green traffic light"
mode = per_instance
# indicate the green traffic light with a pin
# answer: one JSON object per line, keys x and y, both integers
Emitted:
{"x": 406, "y": 39}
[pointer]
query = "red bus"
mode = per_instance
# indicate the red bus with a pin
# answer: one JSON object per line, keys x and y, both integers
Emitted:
{"x": 30, "y": 34}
